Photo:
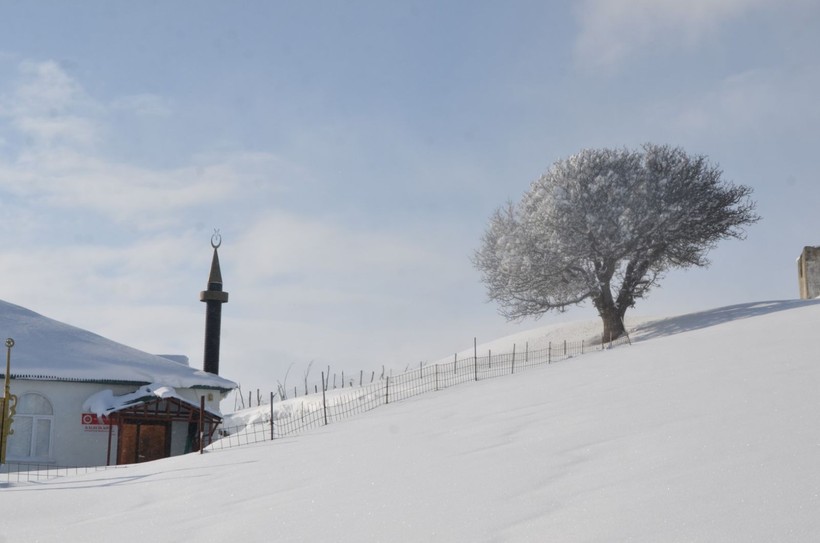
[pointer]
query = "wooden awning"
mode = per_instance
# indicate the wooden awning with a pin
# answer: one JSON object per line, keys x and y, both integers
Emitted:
{"x": 153, "y": 410}
{"x": 165, "y": 410}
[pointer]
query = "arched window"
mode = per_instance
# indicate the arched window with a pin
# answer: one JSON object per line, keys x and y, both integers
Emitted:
{"x": 32, "y": 426}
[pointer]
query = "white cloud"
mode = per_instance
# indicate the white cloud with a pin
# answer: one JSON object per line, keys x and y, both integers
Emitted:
{"x": 53, "y": 157}
{"x": 45, "y": 88}
{"x": 66, "y": 275}
{"x": 66, "y": 179}
{"x": 304, "y": 262}
{"x": 50, "y": 108}
{"x": 613, "y": 30}
{"x": 779, "y": 101}
{"x": 282, "y": 244}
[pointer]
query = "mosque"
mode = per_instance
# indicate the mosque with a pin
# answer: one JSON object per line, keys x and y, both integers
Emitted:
{"x": 84, "y": 400}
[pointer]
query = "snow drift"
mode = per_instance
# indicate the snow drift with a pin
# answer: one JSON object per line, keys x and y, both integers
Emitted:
{"x": 705, "y": 430}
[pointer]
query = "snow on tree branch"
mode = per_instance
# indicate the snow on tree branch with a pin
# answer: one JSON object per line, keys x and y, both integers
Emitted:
{"x": 604, "y": 225}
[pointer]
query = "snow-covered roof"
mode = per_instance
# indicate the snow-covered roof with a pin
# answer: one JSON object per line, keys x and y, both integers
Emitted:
{"x": 104, "y": 402}
{"x": 46, "y": 349}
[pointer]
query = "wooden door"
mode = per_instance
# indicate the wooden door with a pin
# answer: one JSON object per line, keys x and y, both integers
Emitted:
{"x": 143, "y": 442}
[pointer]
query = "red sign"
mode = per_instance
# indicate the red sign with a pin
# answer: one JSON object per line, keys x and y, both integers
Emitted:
{"x": 90, "y": 420}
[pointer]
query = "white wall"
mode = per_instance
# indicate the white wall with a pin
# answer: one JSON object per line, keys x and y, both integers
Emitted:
{"x": 76, "y": 444}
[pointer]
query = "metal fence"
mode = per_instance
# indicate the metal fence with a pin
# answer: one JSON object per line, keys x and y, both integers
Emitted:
{"x": 328, "y": 406}
{"x": 332, "y": 405}
{"x": 25, "y": 472}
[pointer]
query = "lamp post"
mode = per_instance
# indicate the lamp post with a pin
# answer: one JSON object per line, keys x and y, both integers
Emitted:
{"x": 9, "y": 404}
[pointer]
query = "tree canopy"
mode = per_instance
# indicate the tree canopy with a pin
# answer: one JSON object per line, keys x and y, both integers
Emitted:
{"x": 604, "y": 225}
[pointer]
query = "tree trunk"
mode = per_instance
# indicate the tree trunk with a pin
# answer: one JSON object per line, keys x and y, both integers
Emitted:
{"x": 612, "y": 318}
{"x": 613, "y": 326}
{"x": 610, "y": 309}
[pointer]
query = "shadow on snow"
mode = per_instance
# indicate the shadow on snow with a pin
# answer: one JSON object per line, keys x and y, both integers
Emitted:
{"x": 712, "y": 317}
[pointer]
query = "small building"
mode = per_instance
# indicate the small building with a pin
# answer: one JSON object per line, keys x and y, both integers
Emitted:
{"x": 808, "y": 272}
{"x": 84, "y": 400}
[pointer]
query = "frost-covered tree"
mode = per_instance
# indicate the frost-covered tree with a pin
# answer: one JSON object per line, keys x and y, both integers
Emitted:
{"x": 604, "y": 225}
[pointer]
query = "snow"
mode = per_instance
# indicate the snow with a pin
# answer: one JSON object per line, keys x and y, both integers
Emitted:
{"x": 703, "y": 430}
{"x": 539, "y": 338}
{"x": 51, "y": 350}
{"x": 104, "y": 402}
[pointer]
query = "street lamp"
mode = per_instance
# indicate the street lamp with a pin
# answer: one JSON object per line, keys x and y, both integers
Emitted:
{"x": 9, "y": 405}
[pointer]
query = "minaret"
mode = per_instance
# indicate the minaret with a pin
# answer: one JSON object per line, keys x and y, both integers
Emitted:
{"x": 214, "y": 297}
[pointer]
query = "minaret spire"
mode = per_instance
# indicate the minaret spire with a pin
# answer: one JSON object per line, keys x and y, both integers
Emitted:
{"x": 214, "y": 297}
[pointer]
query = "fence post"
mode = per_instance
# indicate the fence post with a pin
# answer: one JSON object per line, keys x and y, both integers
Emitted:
{"x": 455, "y": 364}
{"x": 436, "y": 377}
{"x": 489, "y": 358}
{"x": 271, "y": 416}
{"x": 582, "y": 346}
{"x": 201, "y": 424}
{"x": 549, "y": 353}
{"x": 387, "y": 390}
{"x": 475, "y": 359}
{"x": 565, "y": 347}
{"x": 513, "y": 360}
{"x": 324, "y": 400}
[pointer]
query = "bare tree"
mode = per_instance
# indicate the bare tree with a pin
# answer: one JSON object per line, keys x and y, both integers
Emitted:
{"x": 604, "y": 225}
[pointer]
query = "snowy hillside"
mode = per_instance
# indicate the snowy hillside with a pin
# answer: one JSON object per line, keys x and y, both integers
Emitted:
{"x": 704, "y": 430}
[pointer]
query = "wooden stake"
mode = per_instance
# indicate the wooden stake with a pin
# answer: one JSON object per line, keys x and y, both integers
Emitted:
{"x": 475, "y": 358}
{"x": 324, "y": 398}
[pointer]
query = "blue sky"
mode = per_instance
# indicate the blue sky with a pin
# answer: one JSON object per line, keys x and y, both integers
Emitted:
{"x": 351, "y": 154}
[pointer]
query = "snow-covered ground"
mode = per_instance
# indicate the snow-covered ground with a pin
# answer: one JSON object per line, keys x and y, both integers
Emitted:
{"x": 704, "y": 430}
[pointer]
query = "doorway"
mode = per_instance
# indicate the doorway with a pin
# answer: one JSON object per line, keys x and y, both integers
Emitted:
{"x": 143, "y": 441}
